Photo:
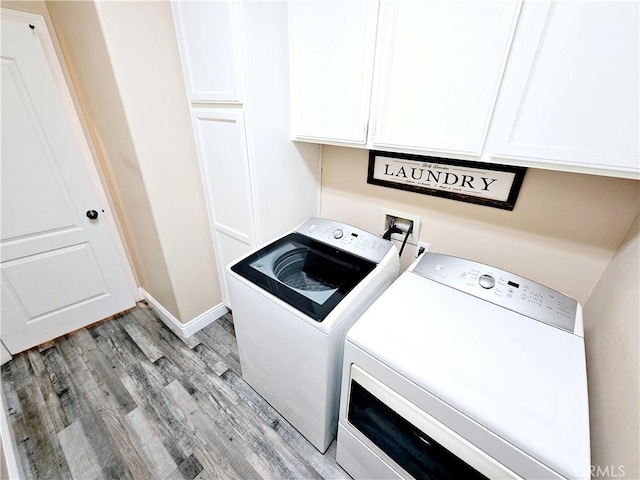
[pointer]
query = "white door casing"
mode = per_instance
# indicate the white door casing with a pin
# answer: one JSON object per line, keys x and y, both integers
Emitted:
{"x": 60, "y": 270}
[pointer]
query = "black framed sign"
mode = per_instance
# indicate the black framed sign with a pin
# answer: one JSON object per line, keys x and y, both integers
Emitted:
{"x": 474, "y": 182}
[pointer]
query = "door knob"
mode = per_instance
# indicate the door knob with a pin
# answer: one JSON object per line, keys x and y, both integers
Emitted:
{"x": 92, "y": 214}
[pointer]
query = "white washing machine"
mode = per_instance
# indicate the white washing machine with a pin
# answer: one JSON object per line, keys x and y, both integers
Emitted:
{"x": 293, "y": 301}
{"x": 462, "y": 370}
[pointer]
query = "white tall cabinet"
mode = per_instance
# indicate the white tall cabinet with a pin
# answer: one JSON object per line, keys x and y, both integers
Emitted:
{"x": 258, "y": 183}
{"x": 546, "y": 84}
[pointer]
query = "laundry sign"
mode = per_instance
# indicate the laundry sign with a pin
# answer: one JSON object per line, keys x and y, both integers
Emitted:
{"x": 474, "y": 182}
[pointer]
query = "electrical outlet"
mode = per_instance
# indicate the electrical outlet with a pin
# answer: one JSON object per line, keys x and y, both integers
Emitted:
{"x": 403, "y": 221}
{"x": 420, "y": 245}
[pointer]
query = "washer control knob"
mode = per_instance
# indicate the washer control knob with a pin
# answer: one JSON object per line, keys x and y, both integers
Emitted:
{"x": 486, "y": 281}
{"x": 337, "y": 233}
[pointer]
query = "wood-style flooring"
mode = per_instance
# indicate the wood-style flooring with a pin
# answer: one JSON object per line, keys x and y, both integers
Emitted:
{"x": 127, "y": 398}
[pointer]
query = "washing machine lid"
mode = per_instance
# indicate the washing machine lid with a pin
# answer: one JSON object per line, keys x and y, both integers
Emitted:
{"x": 520, "y": 378}
{"x": 309, "y": 275}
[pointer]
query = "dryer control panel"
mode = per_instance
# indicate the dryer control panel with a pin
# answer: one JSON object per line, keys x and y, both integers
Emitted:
{"x": 500, "y": 287}
{"x": 346, "y": 237}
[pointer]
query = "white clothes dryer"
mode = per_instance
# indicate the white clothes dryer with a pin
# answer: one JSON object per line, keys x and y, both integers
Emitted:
{"x": 462, "y": 370}
{"x": 293, "y": 301}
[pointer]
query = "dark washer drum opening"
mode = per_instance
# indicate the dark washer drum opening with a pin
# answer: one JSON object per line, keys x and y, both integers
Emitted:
{"x": 305, "y": 270}
{"x": 311, "y": 276}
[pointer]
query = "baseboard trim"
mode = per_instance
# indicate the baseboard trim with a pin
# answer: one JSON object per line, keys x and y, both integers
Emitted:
{"x": 186, "y": 329}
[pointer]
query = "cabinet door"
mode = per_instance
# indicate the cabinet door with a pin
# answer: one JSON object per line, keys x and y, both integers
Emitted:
{"x": 331, "y": 49}
{"x": 571, "y": 89}
{"x": 441, "y": 63}
{"x": 224, "y": 163}
{"x": 209, "y": 50}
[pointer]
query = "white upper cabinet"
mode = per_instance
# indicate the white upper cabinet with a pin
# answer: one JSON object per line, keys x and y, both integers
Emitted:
{"x": 332, "y": 48}
{"x": 536, "y": 83}
{"x": 438, "y": 66}
{"x": 209, "y": 49}
{"x": 438, "y": 70}
{"x": 570, "y": 94}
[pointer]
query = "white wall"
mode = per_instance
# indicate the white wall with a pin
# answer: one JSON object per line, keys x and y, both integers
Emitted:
{"x": 80, "y": 35}
{"x": 562, "y": 233}
{"x": 142, "y": 45}
{"x": 612, "y": 336}
{"x": 125, "y": 65}
{"x": 286, "y": 174}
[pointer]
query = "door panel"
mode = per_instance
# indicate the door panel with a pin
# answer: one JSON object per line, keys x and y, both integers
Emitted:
{"x": 571, "y": 92}
{"x": 61, "y": 278}
{"x": 220, "y": 136}
{"x": 441, "y": 65}
{"x": 60, "y": 270}
{"x": 23, "y": 133}
{"x": 207, "y": 44}
{"x": 332, "y": 49}
{"x": 34, "y": 198}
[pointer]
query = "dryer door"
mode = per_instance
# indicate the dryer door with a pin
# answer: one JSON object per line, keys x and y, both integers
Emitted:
{"x": 308, "y": 275}
{"x": 410, "y": 439}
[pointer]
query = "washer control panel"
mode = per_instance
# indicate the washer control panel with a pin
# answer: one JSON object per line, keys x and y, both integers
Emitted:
{"x": 347, "y": 238}
{"x": 502, "y": 288}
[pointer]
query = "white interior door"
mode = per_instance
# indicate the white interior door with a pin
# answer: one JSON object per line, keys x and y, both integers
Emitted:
{"x": 60, "y": 269}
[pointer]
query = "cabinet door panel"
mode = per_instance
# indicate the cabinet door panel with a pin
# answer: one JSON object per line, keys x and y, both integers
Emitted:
{"x": 441, "y": 64}
{"x": 223, "y": 157}
{"x": 230, "y": 249}
{"x": 331, "y": 48}
{"x": 207, "y": 41}
{"x": 571, "y": 89}
{"x": 221, "y": 139}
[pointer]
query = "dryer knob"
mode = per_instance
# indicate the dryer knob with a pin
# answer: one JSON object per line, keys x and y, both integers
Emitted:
{"x": 337, "y": 233}
{"x": 486, "y": 281}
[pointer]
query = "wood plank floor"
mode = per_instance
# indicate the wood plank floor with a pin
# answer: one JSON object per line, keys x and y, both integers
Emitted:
{"x": 127, "y": 398}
